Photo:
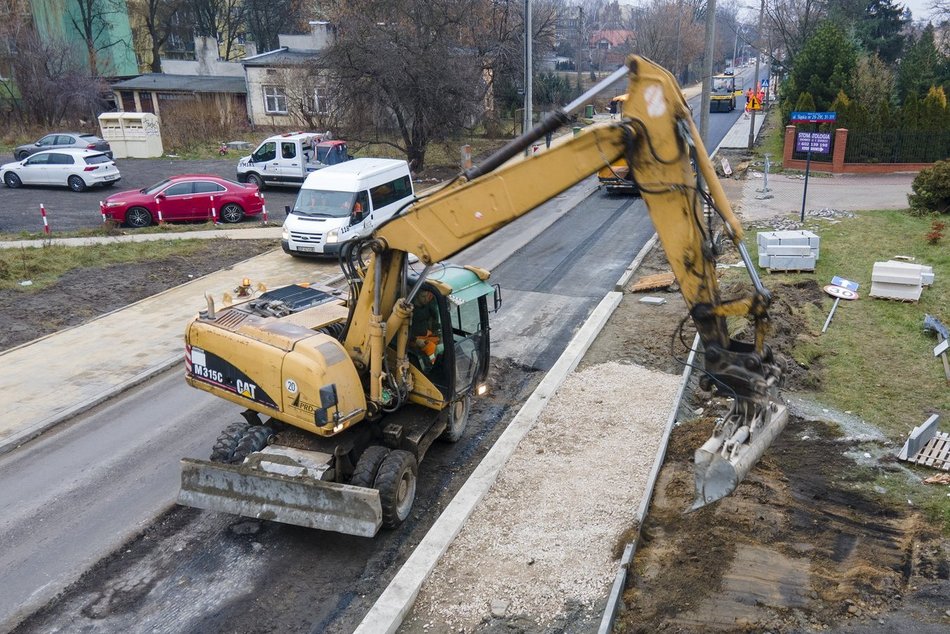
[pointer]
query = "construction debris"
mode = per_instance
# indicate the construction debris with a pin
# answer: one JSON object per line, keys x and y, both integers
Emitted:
{"x": 940, "y": 478}
{"x": 653, "y": 282}
{"x": 787, "y": 250}
{"x": 900, "y": 280}
{"x": 653, "y": 301}
{"x": 932, "y": 324}
{"x": 926, "y": 446}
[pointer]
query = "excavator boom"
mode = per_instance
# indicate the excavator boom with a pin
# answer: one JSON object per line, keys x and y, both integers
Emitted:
{"x": 342, "y": 369}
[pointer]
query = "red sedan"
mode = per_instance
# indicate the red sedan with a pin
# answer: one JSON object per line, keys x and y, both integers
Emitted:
{"x": 196, "y": 197}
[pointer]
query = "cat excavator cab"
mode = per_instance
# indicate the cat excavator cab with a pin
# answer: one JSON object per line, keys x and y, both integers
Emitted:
{"x": 341, "y": 399}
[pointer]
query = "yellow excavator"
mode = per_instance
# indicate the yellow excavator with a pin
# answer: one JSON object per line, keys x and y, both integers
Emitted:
{"x": 345, "y": 391}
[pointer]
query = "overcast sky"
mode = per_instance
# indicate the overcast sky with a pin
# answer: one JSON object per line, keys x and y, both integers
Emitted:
{"x": 917, "y": 7}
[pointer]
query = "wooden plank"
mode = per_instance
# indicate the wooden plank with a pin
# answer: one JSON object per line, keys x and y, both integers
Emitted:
{"x": 653, "y": 282}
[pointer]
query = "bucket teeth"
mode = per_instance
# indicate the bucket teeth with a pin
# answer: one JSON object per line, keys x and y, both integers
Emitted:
{"x": 721, "y": 466}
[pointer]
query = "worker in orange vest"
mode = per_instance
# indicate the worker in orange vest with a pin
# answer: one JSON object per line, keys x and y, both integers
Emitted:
{"x": 761, "y": 97}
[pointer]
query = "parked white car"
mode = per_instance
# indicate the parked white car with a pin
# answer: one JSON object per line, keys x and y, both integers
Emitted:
{"x": 76, "y": 169}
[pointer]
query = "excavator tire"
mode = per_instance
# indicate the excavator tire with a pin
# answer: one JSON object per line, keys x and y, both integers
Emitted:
{"x": 254, "y": 439}
{"x": 227, "y": 442}
{"x": 458, "y": 418}
{"x": 396, "y": 483}
{"x": 364, "y": 474}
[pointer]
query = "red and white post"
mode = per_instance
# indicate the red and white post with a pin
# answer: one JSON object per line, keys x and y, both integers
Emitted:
{"x": 264, "y": 212}
{"x": 102, "y": 211}
{"x": 46, "y": 229}
{"x": 158, "y": 208}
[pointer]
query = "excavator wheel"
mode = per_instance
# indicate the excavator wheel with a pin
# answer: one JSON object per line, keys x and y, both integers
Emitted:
{"x": 458, "y": 418}
{"x": 367, "y": 467}
{"x": 254, "y": 439}
{"x": 396, "y": 483}
{"x": 227, "y": 442}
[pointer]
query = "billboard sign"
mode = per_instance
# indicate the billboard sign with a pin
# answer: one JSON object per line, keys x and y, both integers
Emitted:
{"x": 813, "y": 117}
{"x": 818, "y": 142}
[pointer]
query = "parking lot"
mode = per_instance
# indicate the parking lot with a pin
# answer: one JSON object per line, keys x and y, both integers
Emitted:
{"x": 68, "y": 211}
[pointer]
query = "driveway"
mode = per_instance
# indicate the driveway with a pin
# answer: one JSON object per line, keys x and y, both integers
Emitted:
{"x": 69, "y": 211}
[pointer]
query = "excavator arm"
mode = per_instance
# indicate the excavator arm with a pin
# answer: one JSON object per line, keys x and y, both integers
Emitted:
{"x": 657, "y": 137}
{"x": 333, "y": 368}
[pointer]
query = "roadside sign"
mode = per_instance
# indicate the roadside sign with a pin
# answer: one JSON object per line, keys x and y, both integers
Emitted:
{"x": 848, "y": 284}
{"x": 847, "y": 290}
{"x": 765, "y": 83}
{"x": 813, "y": 117}
{"x": 941, "y": 347}
{"x": 754, "y": 103}
{"x": 819, "y": 142}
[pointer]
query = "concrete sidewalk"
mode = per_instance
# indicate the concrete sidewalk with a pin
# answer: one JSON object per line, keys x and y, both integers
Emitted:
{"x": 58, "y": 376}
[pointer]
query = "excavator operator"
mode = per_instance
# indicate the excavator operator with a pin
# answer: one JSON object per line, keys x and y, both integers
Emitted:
{"x": 426, "y": 329}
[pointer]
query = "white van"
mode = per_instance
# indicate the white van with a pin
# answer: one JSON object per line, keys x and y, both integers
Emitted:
{"x": 343, "y": 202}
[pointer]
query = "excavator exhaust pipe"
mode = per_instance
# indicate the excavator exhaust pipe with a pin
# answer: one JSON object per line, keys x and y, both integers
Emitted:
{"x": 723, "y": 462}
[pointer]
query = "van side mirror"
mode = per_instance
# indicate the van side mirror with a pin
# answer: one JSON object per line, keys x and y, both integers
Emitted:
{"x": 286, "y": 210}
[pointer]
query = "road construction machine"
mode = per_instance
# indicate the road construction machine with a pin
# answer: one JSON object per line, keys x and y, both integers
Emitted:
{"x": 344, "y": 391}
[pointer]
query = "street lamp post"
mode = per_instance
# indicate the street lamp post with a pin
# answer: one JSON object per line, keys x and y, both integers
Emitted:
{"x": 735, "y": 49}
{"x": 755, "y": 78}
{"x": 528, "y": 71}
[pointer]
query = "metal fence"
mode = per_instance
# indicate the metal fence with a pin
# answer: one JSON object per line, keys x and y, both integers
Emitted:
{"x": 897, "y": 146}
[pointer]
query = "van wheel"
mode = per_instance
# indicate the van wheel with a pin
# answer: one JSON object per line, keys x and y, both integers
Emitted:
{"x": 255, "y": 179}
{"x": 396, "y": 484}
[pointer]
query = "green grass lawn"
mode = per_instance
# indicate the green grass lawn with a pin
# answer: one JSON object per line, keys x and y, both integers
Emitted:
{"x": 44, "y": 266}
{"x": 875, "y": 359}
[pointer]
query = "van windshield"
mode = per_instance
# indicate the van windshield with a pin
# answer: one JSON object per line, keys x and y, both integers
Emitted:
{"x": 319, "y": 202}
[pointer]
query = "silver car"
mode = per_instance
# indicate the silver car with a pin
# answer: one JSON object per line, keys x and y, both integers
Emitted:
{"x": 56, "y": 140}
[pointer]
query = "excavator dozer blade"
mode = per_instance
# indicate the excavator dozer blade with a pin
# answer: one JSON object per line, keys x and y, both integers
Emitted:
{"x": 719, "y": 471}
{"x": 300, "y": 500}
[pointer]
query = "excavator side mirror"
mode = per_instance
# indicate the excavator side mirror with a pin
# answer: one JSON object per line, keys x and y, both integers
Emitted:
{"x": 328, "y": 399}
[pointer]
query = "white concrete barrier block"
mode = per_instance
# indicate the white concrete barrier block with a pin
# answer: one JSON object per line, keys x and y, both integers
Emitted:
{"x": 792, "y": 263}
{"x": 889, "y": 290}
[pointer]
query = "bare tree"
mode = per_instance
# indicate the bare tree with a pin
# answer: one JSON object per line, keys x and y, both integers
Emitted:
{"x": 266, "y": 19}
{"x": 91, "y": 20}
{"x": 403, "y": 72}
{"x": 792, "y": 22}
{"x": 158, "y": 16}
{"x": 669, "y": 33}
{"x": 221, "y": 19}
{"x": 51, "y": 86}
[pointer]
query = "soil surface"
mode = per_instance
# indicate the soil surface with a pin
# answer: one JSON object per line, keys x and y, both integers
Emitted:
{"x": 84, "y": 294}
{"x": 807, "y": 543}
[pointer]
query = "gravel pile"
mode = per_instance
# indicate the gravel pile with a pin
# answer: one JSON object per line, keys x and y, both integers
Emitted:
{"x": 542, "y": 541}
{"x": 793, "y": 224}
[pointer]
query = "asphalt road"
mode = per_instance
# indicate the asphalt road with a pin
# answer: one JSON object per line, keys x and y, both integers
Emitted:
{"x": 70, "y": 211}
{"x": 112, "y": 469}
{"x": 84, "y": 484}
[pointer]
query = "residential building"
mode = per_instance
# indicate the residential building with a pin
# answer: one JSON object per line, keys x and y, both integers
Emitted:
{"x": 287, "y": 87}
{"x": 206, "y": 80}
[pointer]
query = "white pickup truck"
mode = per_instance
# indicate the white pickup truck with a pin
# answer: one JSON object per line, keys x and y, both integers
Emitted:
{"x": 287, "y": 159}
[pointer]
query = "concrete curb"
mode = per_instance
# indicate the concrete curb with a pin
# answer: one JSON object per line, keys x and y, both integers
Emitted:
{"x": 12, "y": 442}
{"x": 397, "y": 599}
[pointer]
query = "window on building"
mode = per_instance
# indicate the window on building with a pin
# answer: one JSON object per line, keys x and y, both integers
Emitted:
{"x": 128, "y": 100}
{"x": 321, "y": 100}
{"x": 145, "y": 101}
{"x": 275, "y": 101}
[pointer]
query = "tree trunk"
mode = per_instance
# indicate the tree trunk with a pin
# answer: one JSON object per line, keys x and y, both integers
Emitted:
{"x": 156, "y": 54}
{"x": 416, "y": 155}
{"x": 91, "y": 53}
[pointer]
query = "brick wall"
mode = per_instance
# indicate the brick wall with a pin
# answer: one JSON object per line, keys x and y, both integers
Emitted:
{"x": 838, "y": 166}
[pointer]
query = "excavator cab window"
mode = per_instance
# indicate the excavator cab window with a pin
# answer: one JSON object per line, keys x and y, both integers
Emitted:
{"x": 470, "y": 342}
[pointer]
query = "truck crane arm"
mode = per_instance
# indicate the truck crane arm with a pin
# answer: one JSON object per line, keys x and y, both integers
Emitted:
{"x": 342, "y": 370}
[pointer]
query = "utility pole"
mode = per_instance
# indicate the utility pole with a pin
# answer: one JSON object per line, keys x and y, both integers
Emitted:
{"x": 707, "y": 69}
{"x": 528, "y": 115}
{"x": 679, "y": 20}
{"x": 755, "y": 78}
{"x": 580, "y": 38}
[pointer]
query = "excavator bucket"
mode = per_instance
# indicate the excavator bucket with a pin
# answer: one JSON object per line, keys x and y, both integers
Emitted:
{"x": 278, "y": 485}
{"x": 728, "y": 456}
